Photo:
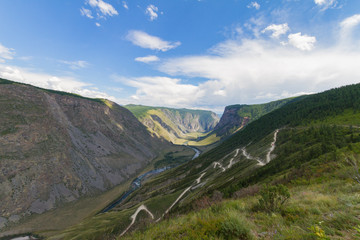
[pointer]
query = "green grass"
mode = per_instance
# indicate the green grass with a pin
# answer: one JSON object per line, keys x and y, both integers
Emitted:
{"x": 211, "y": 139}
{"x": 330, "y": 203}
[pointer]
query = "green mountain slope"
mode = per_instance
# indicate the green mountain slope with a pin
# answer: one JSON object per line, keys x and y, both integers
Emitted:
{"x": 307, "y": 145}
{"x": 57, "y": 147}
{"x": 179, "y": 126}
{"x": 235, "y": 117}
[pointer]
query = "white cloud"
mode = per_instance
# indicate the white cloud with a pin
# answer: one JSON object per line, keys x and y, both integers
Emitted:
{"x": 106, "y": 9}
{"x": 6, "y": 53}
{"x": 48, "y": 81}
{"x": 254, "y": 5}
{"x": 162, "y": 91}
{"x": 325, "y": 4}
{"x": 86, "y": 12}
{"x": 98, "y": 24}
{"x": 255, "y": 24}
{"x": 76, "y": 64}
{"x": 258, "y": 70}
{"x": 125, "y": 5}
{"x": 151, "y": 11}
{"x": 145, "y": 40}
{"x": 251, "y": 71}
{"x": 350, "y": 22}
{"x": 147, "y": 59}
{"x": 347, "y": 27}
{"x": 302, "y": 42}
{"x": 277, "y": 30}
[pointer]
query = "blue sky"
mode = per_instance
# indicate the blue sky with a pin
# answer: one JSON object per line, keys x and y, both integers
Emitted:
{"x": 202, "y": 54}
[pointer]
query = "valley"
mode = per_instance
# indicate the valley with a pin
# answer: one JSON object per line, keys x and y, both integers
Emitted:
{"x": 241, "y": 162}
{"x": 180, "y": 120}
{"x": 302, "y": 144}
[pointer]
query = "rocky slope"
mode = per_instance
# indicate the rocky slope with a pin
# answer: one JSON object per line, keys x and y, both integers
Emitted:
{"x": 175, "y": 125}
{"x": 235, "y": 117}
{"x": 56, "y": 147}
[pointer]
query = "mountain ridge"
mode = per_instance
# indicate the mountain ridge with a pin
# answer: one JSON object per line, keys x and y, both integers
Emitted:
{"x": 178, "y": 126}
{"x": 57, "y": 147}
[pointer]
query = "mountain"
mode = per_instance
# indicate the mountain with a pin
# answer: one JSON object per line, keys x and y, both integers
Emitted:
{"x": 235, "y": 117}
{"x": 57, "y": 147}
{"x": 179, "y": 126}
{"x": 311, "y": 146}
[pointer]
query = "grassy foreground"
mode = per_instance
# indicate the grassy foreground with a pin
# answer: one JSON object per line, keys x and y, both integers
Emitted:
{"x": 324, "y": 204}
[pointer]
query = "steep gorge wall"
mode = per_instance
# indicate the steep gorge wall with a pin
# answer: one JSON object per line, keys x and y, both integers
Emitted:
{"x": 55, "y": 147}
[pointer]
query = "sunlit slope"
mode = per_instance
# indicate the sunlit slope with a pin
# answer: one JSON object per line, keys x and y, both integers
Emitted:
{"x": 179, "y": 126}
{"x": 57, "y": 147}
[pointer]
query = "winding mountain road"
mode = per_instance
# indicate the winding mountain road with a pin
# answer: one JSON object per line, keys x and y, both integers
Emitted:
{"x": 232, "y": 159}
{"x": 133, "y": 217}
{"x": 268, "y": 157}
{"x": 198, "y": 180}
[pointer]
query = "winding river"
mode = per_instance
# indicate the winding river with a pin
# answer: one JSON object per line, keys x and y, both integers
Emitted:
{"x": 136, "y": 184}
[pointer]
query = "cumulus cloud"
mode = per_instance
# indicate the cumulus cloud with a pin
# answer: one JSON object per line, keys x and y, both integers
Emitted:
{"x": 147, "y": 59}
{"x": 151, "y": 11}
{"x": 48, "y": 81}
{"x": 98, "y": 24}
{"x": 258, "y": 70}
{"x": 162, "y": 91}
{"x": 144, "y": 40}
{"x": 277, "y": 29}
{"x": 6, "y": 53}
{"x": 302, "y": 42}
{"x": 76, "y": 64}
{"x": 254, "y": 5}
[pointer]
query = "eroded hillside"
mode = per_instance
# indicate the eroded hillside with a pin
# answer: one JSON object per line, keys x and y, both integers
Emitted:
{"x": 179, "y": 126}
{"x": 56, "y": 147}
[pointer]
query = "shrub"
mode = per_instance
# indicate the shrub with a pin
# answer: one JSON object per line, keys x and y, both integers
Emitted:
{"x": 235, "y": 227}
{"x": 272, "y": 198}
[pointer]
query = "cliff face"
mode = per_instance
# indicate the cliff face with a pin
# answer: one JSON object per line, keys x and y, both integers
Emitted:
{"x": 55, "y": 147}
{"x": 175, "y": 125}
{"x": 192, "y": 121}
{"x": 230, "y": 121}
{"x": 236, "y": 117}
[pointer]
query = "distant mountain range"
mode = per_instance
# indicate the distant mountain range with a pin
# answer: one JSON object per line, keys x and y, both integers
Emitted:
{"x": 179, "y": 126}
{"x": 199, "y": 127}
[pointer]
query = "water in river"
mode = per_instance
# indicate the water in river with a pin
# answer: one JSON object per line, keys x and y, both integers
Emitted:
{"x": 137, "y": 182}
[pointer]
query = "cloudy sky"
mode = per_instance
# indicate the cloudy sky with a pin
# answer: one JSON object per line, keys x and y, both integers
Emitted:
{"x": 202, "y": 54}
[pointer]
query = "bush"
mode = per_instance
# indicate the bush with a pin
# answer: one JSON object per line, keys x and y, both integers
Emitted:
{"x": 272, "y": 198}
{"x": 235, "y": 227}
